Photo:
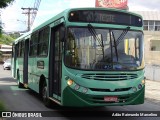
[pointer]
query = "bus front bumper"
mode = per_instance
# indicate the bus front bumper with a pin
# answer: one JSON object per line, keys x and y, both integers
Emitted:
{"x": 74, "y": 98}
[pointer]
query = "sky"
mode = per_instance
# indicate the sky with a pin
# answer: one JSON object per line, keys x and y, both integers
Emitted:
{"x": 13, "y": 20}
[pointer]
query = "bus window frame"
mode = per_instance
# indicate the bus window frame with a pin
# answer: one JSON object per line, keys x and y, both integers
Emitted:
{"x": 140, "y": 68}
{"x": 33, "y": 44}
{"x": 41, "y": 43}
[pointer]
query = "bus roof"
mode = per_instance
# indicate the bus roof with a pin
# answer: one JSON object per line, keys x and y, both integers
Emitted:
{"x": 23, "y": 37}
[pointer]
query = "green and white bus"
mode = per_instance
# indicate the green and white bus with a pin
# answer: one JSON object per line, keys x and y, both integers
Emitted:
{"x": 84, "y": 57}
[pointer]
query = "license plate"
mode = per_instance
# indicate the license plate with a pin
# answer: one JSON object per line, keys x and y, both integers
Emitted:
{"x": 110, "y": 98}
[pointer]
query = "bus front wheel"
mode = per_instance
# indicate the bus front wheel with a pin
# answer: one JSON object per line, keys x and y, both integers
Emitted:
{"x": 45, "y": 98}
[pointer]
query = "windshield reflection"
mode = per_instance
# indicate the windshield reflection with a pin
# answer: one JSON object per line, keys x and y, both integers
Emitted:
{"x": 104, "y": 49}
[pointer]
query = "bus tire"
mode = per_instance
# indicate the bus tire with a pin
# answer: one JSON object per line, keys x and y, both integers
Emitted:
{"x": 46, "y": 100}
{"x": 20, "y": 85}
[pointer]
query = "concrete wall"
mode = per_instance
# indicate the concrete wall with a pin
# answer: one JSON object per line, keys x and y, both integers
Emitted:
{"x": 152, "y": 72}
{"x": 151, "y": 57}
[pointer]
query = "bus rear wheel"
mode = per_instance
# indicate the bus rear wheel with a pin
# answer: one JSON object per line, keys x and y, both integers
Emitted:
{"x": 46, "y": 100}
{"x": 20, "y": 85}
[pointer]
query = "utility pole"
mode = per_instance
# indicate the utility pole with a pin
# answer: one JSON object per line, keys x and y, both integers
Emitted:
{"x": 28, "y": 12}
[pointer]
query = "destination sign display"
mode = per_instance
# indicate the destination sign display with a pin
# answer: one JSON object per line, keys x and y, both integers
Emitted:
{"x": 102, "y": 16}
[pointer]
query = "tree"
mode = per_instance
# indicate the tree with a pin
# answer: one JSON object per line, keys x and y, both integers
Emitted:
{"x": 6, "y": 39}
{"x": 14, "y": 35}
{"x": 1, "y": 59}
{"x": 5, "y": 3}
{"x": 0, "y": 29}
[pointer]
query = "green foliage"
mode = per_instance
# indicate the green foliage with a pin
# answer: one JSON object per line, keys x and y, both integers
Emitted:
{"x": 1, "y": 56}
{"x": 6, "y": 39}
{"x": 0, "y": 28}
{"x": 15, "y": 35}
{"x": 5, "y": 3}
{"x": 0, "y": 53}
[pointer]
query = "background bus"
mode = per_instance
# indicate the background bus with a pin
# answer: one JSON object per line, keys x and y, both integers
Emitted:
{"x": 84, "y": 57}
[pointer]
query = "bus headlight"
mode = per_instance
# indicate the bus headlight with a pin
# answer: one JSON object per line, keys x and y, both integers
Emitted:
{"x": 84, "y": 90}
{"x": 134, "y": 89}
{"x": 139, "y": 86}
{"x": 143, "y": 82}
{"x": 69, "y": 82}
{"x": 76, "y": 87}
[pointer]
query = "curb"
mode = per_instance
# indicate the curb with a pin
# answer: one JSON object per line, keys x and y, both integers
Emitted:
{"x": 152, "y": 100}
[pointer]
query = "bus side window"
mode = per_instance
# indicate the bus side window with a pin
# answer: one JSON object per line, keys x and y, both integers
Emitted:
{"x": 31, "y": 48}
{"x": 20, "y": 49}
{"x": 43, "y": 42}
{"x": 33, "y": 44}
{"x": 17, "y": 46}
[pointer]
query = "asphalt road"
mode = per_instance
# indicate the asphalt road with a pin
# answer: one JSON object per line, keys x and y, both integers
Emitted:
{"x": 22, "y": 100}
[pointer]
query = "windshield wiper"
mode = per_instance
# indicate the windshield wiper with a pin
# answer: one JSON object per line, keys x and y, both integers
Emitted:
{"x": 115, "y": 46}
{"x": 116, "y": 42}
{"x": 93, "y": 32}
{"x": 122, "y": 36}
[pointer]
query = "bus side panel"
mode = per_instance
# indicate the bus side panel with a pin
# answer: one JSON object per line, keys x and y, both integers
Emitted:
{"x": 20, "y": 69}
{"x": 32, "y": 76}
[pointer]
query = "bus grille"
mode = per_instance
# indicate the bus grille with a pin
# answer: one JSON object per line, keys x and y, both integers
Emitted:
{"x": 110, "y": 77}
{"x": 108, "y": 90}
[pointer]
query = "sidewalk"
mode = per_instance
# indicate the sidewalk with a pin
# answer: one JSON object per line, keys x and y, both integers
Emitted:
{"x": 152, "y": 91}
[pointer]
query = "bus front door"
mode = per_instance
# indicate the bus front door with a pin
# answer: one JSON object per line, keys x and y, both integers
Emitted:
{"x": 55, "y": 64}
{"x": 25, "y": 63}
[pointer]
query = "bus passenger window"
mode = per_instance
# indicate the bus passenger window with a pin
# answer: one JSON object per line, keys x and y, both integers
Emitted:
{"x": 43, "y": 42}
{"x": 33, "y": 44}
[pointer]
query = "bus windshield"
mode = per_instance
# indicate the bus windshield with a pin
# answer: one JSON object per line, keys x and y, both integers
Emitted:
{"x": 103, "y": 49}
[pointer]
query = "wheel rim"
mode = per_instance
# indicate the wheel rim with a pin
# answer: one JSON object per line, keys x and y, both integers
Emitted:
{"x": 44, "y": 93}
